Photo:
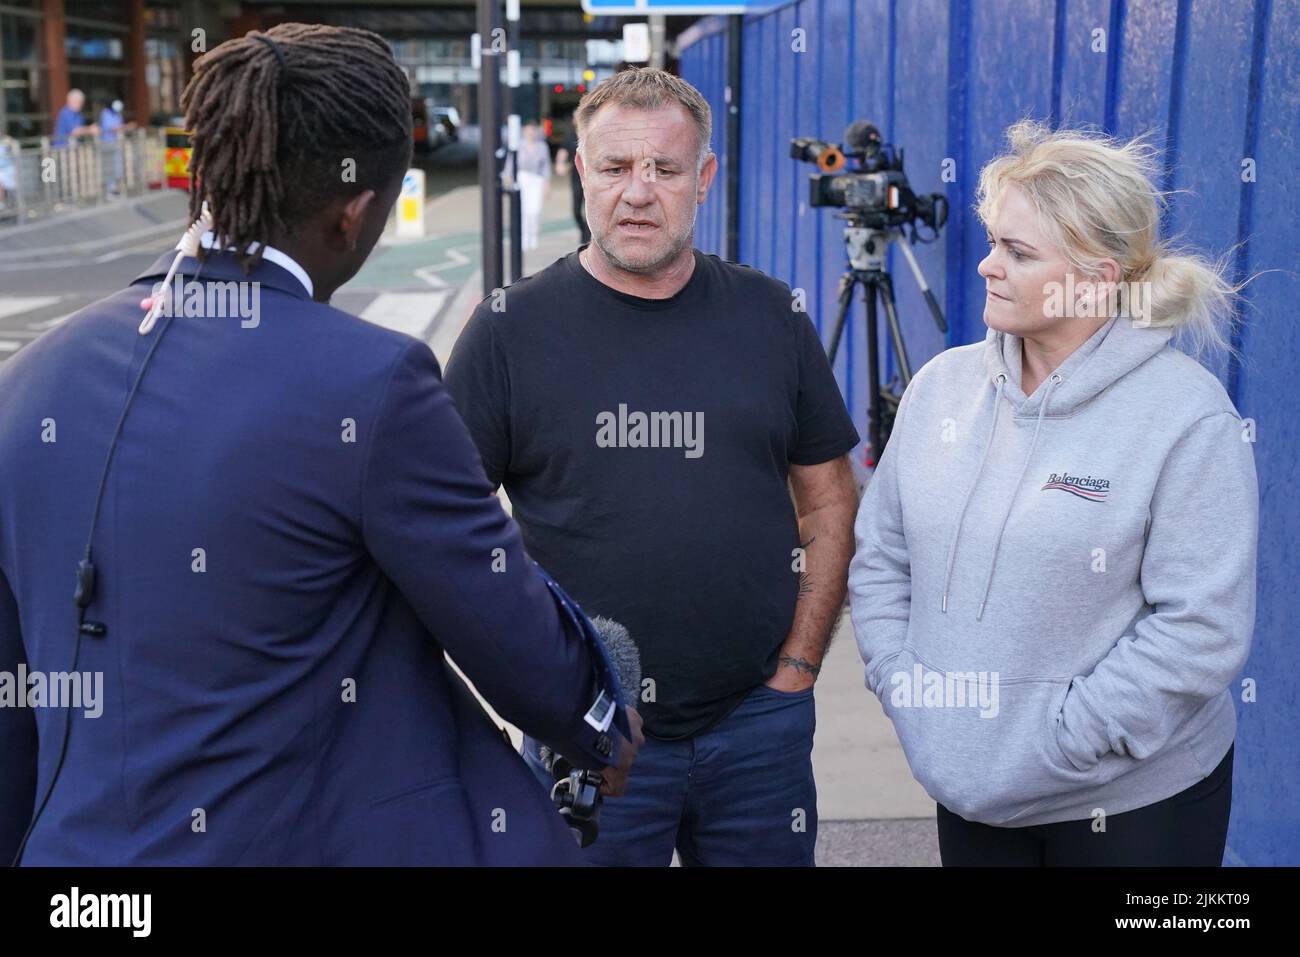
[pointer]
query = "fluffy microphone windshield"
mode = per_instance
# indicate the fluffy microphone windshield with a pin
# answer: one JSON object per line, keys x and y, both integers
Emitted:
{"x": 624, "y": 655}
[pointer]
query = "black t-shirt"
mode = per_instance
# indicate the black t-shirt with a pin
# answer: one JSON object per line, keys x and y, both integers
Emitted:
{"x": 645, "y": 445}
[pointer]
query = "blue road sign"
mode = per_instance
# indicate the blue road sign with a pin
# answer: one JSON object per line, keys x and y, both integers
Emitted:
{"x": 641, "y": 8}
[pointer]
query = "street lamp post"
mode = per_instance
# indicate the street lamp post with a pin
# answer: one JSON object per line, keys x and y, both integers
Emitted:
{"x": 490, "y": 155}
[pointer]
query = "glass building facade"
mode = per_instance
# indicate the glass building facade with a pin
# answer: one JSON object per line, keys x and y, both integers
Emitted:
{"x": 135, "y": 51}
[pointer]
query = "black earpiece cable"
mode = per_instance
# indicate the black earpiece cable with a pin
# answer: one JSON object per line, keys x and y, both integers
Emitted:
{"x": 86, "y": 574}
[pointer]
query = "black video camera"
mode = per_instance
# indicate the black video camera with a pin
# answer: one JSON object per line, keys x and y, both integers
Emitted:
{"x": 874, "y": 192}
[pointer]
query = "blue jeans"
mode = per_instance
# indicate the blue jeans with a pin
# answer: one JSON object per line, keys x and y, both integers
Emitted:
{"x": 740, "y": 794}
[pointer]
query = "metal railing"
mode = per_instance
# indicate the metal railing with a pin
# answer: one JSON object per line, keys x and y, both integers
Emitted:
{"x": 37, "y": 178}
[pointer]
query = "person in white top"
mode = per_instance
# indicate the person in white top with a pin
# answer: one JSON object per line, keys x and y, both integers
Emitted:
{"x": 534, "y": 179}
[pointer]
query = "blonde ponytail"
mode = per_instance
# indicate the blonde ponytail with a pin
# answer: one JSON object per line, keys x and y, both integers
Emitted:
{"x": 1193, "y": 295}
{"x": 1097, "y": 199}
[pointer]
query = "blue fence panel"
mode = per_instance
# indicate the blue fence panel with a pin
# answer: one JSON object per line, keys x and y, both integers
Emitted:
{"x": 705, "y": 61}
{"x": 1215, "y": 83}
{"x": 1265, "y": 819}
{"x": 1207, "y": 129}
{"x": 784, "y": 122}
{"x": 920, "y": 126}
{"x": 808, "y": 36}
{"x": 1082, "y": 47}
{"x": 1141, "y": 45}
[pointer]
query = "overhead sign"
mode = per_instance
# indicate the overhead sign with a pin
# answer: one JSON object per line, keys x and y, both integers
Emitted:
{"x": 641, "y": 8}
{"x": 636, "y": 42}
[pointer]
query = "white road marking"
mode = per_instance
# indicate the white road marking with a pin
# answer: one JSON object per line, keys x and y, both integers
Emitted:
{"x": 9, "y": 346}
{"x": 14, "y": 305}
{"x": 454, "y": 258}
{"x": 147, "y": 237}
{"x": 48, "y": 323}
{"x": 408, "y": 312}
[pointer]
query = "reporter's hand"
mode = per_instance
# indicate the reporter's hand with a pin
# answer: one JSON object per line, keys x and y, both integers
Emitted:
{"x": 614, "y": 780}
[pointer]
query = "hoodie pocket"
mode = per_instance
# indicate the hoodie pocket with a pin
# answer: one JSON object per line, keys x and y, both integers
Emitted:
{"x": 990, "y": 753}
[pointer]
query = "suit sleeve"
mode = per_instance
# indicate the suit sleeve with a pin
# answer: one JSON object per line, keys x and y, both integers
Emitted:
{"x": 1198, "y": 576}
{"x": 432, "y": 522}
{"x": 880, "y": 574}
{"x": 17, "y": 737}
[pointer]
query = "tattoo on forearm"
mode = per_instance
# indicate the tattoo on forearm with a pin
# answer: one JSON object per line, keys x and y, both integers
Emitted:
{"x": 801, "y": 664}
{"x": 805, "y": 583}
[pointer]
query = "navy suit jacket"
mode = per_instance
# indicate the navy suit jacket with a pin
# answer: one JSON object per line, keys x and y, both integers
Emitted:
{"x": 295, "y": 526}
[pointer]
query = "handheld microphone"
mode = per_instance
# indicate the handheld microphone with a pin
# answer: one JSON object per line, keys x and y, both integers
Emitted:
{"x": 577, "y": 791}
{"x": 623, "y": 654}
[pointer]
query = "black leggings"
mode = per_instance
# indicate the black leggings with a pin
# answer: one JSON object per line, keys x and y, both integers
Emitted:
{"x": 1189, "y": 829}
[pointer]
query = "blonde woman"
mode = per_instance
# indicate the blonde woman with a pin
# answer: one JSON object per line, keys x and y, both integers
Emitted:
{"x": 1054, "y": 586}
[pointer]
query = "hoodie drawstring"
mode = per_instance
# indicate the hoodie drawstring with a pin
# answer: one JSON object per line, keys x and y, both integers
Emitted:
{"x": 1011, "y": 500}
{"x": 961, "y": 516}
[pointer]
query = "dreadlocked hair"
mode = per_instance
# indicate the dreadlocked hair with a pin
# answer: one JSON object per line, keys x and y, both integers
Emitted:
{"x": 271, "y": 141}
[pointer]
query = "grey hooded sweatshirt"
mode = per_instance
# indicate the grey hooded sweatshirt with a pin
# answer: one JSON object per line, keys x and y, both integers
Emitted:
{"x": 1053, "y": 593}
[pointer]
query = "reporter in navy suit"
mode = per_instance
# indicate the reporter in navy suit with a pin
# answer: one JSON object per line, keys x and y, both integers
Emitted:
{"x": 293, "y": 527}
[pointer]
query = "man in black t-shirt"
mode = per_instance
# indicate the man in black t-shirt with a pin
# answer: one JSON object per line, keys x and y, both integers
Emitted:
{"x": 645, "y": 406}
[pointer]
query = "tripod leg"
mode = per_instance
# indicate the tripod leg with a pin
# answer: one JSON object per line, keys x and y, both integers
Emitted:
{"x": 925, "y": 286}
{"x": 895, "y": 330}
{"x": 846, "y": 297}
{"x": 873, "y": 367}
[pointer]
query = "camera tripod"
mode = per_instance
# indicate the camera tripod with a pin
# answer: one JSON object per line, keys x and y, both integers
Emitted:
{"x": 866, "y": 248}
